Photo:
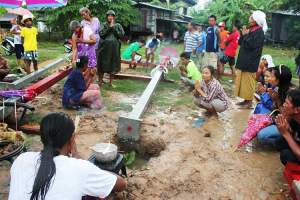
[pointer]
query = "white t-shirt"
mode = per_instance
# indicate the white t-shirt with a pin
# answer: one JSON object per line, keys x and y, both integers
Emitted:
{"x": 17, "y": 38}
{"x": 87, "y": 32}
{"x": 74, "y": 178}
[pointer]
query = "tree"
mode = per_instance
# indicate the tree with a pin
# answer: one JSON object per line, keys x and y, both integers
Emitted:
{"x": 229, "y": 10}
{"x": 59, "y": 19}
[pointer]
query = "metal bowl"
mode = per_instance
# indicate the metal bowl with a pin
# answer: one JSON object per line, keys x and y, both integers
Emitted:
{"x": 105, "y": 152}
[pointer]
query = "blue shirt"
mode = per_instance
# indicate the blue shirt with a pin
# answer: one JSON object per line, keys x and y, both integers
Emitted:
{"x": 212, "y": 39}
{"x": 191, "y": 40}
{"x": 74, "y": 88}
{"x": 202, "y": 47}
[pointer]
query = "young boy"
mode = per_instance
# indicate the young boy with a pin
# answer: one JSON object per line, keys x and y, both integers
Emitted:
{"x": 29, "y": 41}
{"x": 151, "y": 48}
{"x": 19, "y": 49}
{"x": 231, "y": 48}
{"x": 188, "y": 70}
{"x": 131, "y": 53}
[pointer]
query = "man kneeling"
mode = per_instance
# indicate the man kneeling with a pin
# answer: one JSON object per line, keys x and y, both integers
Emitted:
{"x": 288, "y": 125}
{"x": 188, "y": 70}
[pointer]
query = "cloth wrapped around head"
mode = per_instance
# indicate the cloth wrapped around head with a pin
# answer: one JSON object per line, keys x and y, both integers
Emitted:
{"x": 269, "y": 60}
{"x": 260, "y": 18}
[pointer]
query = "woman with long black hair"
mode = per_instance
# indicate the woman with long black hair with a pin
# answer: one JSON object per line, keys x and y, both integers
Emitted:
{"x": 57, "y": 172}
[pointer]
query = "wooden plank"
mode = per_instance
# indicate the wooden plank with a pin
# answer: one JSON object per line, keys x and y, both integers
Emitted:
{"x": 142, "y": 64}
{"x": 138, "y": 77}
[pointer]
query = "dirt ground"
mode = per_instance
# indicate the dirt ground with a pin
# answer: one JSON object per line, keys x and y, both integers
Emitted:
{"x": 197, "y": 163}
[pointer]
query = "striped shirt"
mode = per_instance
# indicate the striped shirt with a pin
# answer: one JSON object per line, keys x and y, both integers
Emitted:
{"x": 191, "y": 40}
{"x": 214, "y": 90}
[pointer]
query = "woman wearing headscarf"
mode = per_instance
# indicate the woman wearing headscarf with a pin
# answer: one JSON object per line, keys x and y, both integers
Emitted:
{"x": 251, "y": 46}
{"x": 92, "y": 22}
{"x": 109, "y": 56}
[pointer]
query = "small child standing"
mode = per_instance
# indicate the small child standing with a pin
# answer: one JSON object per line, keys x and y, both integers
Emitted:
{"x": 29, "y": 40}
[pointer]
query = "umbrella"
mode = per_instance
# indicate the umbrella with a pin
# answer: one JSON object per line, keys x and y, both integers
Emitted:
{"x": 255, "y": 124}
{"x": 32, "y": 3}
{"x": 19, "y": 11}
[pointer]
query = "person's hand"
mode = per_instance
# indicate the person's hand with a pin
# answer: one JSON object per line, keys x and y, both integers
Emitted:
{"x": 282, "y": 125}
{"x": 274, "y": 95}
{"x": 245, "y": 31}
{"x": 195, "y": 93}
{"x": 112, "y": 23}
{"x": 79, "y": 40}
{"x": 202, "y": 94}
{"x": 261, "y": 88}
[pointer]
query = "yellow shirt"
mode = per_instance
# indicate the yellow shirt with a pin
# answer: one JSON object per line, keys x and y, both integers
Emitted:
{"x": 30, "y": 38}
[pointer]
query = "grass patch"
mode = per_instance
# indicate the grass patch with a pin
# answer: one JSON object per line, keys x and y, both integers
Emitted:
{"x": 47, "y": 51}
{"x": 126, "y": 86}
{"x": 34, "y": 118}
{"x": 118, "y": 107}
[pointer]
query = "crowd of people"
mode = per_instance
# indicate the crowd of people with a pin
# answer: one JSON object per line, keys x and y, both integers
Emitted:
{"x": 97, "y": 50}
{"x": 255, "y": 75}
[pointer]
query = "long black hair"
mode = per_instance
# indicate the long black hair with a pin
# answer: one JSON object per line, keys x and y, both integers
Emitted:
{"x": 56, "y": 130}
{"x": 82, "y": 61}
{"x": 284, "y": 75}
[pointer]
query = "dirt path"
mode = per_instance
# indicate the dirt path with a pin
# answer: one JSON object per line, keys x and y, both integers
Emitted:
{"x": 198, "y": 163}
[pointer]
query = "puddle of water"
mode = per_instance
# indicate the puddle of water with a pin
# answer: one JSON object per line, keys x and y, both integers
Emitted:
{"x": 139, "y": 163}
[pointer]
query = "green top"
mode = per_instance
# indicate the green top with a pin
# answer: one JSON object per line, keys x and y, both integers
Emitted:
{"x": 133, "y": 47}
{"x": 193, "y": 72}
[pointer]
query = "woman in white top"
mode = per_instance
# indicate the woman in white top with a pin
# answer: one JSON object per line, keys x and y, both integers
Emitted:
{"x": 57, "y": 172}
{"x": 92, "y": 22}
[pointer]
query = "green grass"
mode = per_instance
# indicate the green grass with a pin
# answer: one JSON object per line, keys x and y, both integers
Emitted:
{"x": 285, "y": 56}
{"x": 126, "y": 86}
{"x": 119, "y": 106}
{"x": 47, "y": 51}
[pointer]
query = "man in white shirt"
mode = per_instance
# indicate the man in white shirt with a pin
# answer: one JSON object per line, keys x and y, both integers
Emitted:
{"x": 19, "y": 49}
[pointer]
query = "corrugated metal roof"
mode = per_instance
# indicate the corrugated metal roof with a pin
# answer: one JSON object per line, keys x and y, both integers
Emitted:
{"x": 287, "y": 12}
{"x": 174, "y": 20}
{"x": 154, "y": 6}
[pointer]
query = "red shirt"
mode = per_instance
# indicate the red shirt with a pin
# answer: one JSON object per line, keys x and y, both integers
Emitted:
{"x": 232, "y": 44}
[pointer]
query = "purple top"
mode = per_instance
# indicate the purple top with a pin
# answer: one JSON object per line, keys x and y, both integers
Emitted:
{"x": 95, "y": 26}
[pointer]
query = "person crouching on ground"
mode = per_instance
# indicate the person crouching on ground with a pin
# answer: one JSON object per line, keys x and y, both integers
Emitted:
{"x": 288, "y": 124}
{"x": 188, "y": 70}
{"x": 58, "y": 172}
{"x": 77, "y": 92}
{"x": 29, "y": 41}
{"x": 131, "y": 53}
{"x": 151, "y": 48}
{"x": 209, "y": 93}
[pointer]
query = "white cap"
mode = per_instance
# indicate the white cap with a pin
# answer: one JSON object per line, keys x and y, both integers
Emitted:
{"x": 25, "y": 17}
